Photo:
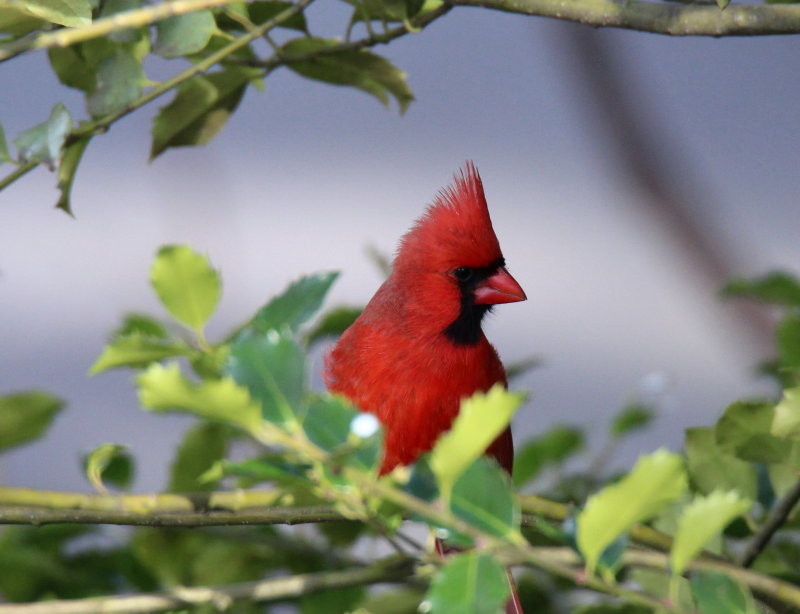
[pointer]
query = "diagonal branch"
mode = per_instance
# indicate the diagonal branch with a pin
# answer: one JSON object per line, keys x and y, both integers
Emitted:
{"x": 658, "y": 18}
{"x": 393, "y": 569}
{"x": 776, "y": 519}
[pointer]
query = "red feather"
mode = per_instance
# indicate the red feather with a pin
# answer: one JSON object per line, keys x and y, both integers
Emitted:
{"x": 396, "y": 360}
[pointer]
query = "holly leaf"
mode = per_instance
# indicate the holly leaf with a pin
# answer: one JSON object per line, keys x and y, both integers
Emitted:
{"x": 43, "y": 143}
{"x": 469, "y": 583}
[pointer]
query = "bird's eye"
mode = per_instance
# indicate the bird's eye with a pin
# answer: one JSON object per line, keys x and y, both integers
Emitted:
{"x": 463, "y": 273}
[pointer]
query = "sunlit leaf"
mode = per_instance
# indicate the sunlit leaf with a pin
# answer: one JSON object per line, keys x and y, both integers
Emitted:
{"x": 184, "y": 34}
{"x": 657, "y": 480}
{"x": 135, "y": 350}
{"x": 550, "y": 448}
{"x": 25, "y": 416}
{"x": 43, "y": 142}
{"x": 480, "y": 420}
{"x": 356, "y": 68}
{"x": 786, "y": 422}
{"x": 165, "y": 388}
{"x": 469, "y": 583}
{"x": 69, "y": 13}
{"x": 744, "y": 431}
{"x": 109, "y": 462}
{"x": 187, "y": 284}
{"x": 700, "y": 520}
{"x": 120, "y": 80}
{"x": 200, "y": 109}
{"x": 16, "y": 21}
{"x": 272, "y": 367}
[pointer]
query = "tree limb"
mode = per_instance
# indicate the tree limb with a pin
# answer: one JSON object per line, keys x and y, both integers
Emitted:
{"x": 658, "y": 18}
{"x": 776, "y": 519}
{"x": 393, "y": 569}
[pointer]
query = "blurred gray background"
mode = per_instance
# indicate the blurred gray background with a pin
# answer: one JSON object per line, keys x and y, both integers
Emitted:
{"x": 627, "y": 174}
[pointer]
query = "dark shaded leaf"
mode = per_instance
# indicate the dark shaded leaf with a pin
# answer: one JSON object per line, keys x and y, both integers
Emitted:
{"x": 272, "y": 367}
{"x": 469, "y": 583}
{"x": 5, "y": 156}
{"x": 361, "y": 69}
{"x": 744, "y": 431}
{"x": 711, "y": 468}
{"x": 66, "y": 172}
{"x": 184, "y": 34}
{"x": 632, "y": 418}
{"x": 550, "y": 448}
{"x": 25, "y": 416}
{"x": 333, "y": 323}
{"x": 109, "y": 463}
{"x": 140, "y": 324}
{"x": 114, "y": 7}
{"x": 43, "y": 142}
{"x": 203, "y": 445}
{"x": 717, "y": 593}
{"x": 260, "y": 12}
{"x": 120, "y": 80}
{"x": 200, "y": 109}
{"x": 779, "y": 288}
{"x": 787, "y": 335}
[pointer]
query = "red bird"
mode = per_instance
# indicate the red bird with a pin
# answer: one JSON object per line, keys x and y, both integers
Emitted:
{"x": 418, "y": 348}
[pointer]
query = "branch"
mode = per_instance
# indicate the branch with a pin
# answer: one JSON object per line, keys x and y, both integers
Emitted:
{"x": 393, "y": 569}
{"x": 659, "y": 18}
{"x": 777, "y": 517}
{"x": 114, "y": 23}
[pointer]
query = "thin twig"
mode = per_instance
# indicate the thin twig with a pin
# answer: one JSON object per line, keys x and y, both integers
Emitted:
{"x": 776, "y": 519}
{"x": 394, "y": 569}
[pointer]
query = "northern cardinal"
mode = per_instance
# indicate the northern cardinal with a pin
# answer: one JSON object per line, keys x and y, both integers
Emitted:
{"x": 418, "y": 348}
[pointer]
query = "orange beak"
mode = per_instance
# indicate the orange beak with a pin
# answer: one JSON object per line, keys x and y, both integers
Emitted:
{"x": 499, "y": 288}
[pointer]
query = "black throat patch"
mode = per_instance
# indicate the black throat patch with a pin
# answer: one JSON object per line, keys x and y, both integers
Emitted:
{"x": 466, "y": 328}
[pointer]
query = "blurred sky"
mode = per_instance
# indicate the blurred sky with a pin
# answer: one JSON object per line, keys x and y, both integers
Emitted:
{"x": 306, "y": 175}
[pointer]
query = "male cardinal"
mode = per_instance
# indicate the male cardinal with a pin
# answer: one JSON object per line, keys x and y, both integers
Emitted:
{"x": 418, "y": 348}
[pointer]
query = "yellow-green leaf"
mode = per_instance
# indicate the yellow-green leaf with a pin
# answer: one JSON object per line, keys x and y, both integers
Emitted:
{"x": 786, "y": 422}
{"x": 481, "y": 419}
{"x": 135, "y": 351}
{"x": 99, "y": 460}
{"x": 186, "y": 284}
{"x": 701, "y": 520}
{"x": 657, "y": 480}
{"x": 69, "y": 13}
{"x": 165, "y": 388}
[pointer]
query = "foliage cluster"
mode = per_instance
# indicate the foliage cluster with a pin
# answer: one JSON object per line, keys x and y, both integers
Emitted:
{"x": 711, "y": 530}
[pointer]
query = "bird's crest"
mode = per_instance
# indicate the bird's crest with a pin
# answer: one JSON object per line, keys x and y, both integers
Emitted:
{"x": 455, "y": 230}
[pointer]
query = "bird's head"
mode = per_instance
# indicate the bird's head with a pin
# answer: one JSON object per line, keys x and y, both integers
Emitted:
{"x": 451, "y": 260}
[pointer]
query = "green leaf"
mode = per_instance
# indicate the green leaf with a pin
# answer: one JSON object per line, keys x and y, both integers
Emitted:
{"x": 787, "y": 335}
{"x": 4, "y": 155}
{"x": 786, "y": 422}
{"x": 140, "y": 324}
{"x": 200, "y": 109}
{"x": 110, "y": 462}
{"x": 184, "y": 34}
{"x": 632, "y": 418}
{"x": 72, "y": 68}
{"x": 69, "y": 13}
{"x": 712, "y": 469}
{"x": 295, "y": 305}
{"x": 203, "y": 445}
{"x": 120, "y": 80}
{"x": 657, "y": 480}
{"x": 483, "y": 497}
{"x": 469, "y": 583}
{"x": 164, "y": 388}
{"x": 744, "y": 431}
{"x": 66, "y": 172}
{"x": 331, "y": 424}
{"x": 333, "y": 323}
{"x": 612, "y": 608}
{"x": 16, "y": 21}
{"x": 723, "y": 3}
{"x": 550, "y": 448}
{"x": 135, "y": 350}
{"x": 272, "y": 367}
{"x": 778, "y": 287}
{"x": 361, "y": 69}
{"x": 265, "y": 468}
{"x": 115, "y": 7}
{"x": 186, "y": 284}
{"x": 481, "y": 419}
{"x": 717, "y": 593}
{"x": 25, "y": 416}
{"x": 259, "y": 12}
{"x": 43, "y": 142}
{"x": 700, "y": 520}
